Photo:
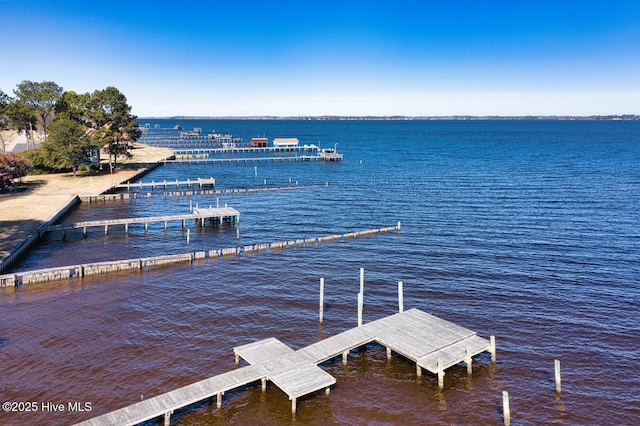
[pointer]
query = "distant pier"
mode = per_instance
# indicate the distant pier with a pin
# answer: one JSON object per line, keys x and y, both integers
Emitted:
{"x": 216, "y": 215}
{"x": 193, "y": 152}
{"x": 165, "y": 184}
{"x": 431, "y": 342}
{"x": 244, "y": 160}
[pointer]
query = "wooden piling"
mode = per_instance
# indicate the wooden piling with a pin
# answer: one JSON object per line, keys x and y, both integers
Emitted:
{"x": 557, "y": 375}
{"x": 362, "y": 280}
{"x": 469, "y": 361}
{"x": 492, "y": 348}
{"x": 506, "y": 412}
{"x": 400, "y": 297}
{"x": 345, "y": 354}
{"x": 219, "y": 400}
{"x": 360, "y": 306}
{"x": 321, "y": 299}
{"x": 440, "y": 374}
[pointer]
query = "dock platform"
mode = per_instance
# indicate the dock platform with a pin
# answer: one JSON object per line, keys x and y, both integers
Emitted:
{"x": 199, "y": 182}
{"x": 431, "y": 342}
{"x": 219, "y": 215}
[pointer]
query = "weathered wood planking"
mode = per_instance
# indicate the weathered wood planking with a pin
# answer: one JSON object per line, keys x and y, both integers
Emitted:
{"x": 420, "y": 337}
{"x": 262, "y": 350}
{"x": 170, "y": 401}
{"x": 197, "y": 214}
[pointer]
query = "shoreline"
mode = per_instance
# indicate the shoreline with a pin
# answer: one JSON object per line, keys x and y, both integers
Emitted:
{"x": 50, "y": 197}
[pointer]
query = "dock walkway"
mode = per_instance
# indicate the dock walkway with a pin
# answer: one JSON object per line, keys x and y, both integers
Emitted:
{"x": 221, "y": 214}
{"x": 200, "y": 182}
{"x": 431, "y": 342}
{"x": 244, "y": 160}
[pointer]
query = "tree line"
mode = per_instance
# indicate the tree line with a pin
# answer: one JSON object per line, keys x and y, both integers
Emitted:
{"x": 75, "y": 126}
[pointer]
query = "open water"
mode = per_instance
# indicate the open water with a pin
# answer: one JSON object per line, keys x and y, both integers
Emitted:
{"x": 526, "y": 230}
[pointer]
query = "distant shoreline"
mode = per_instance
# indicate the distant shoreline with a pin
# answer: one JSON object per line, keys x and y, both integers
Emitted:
{"x": 625, "y": 117}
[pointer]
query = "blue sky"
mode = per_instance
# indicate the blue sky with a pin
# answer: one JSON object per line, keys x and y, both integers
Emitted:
{"x": 240, "y": 58}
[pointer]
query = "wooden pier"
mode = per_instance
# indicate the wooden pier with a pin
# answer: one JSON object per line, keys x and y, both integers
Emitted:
{"x": 216, "y": 215}
{"x": 192, "y": 152}
{"x": 244, "y": 160}
{"x": 431, "y": 342}
{"x": 189, "y": 183}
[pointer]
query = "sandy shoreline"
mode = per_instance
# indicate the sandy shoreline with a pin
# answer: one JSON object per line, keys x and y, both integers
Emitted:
{"x": 21, "y": 213}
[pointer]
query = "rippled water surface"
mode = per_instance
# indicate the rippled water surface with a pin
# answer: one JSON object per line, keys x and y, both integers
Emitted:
{"x": 526, "y": 230}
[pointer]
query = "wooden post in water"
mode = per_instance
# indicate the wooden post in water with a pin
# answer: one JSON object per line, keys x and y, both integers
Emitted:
{"x": 167, "y": 418}
{"x": 469, "y": 361}
{"x": 360, "y": 303}
{"x": 219, "y": 400}
{"x": 400, "y": 297}
{"x": 293, "y": 405}
{"x": 264, "y": 384}
{"x": 321, "y": 299}
{"x": 106, "y": 227}
{"x": 440, "y": 374}
{"x": 188, "y": 235}
{"x": 362, "y": 280}
{"x": 506, "y": 412}
{"x": 556, "y": 363}
{"x": 492, "y": 348}
{"x": 345, "y": 354}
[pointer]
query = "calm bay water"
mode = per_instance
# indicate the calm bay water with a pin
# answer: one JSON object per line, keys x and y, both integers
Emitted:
{"x": 527, "y": 230}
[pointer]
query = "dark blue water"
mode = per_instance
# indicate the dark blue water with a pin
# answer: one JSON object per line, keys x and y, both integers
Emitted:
{"x": 527, "y": 230}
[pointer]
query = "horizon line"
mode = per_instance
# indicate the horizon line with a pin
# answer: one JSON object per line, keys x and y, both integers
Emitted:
{"x": 399, "y": 117}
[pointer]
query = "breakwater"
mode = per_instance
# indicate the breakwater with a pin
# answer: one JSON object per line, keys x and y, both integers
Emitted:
{"x": 103, "y": 198}
{"x": 109, "y": 267}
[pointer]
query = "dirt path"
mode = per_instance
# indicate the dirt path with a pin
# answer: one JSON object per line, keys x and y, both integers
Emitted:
{"x": 22, "y": 212}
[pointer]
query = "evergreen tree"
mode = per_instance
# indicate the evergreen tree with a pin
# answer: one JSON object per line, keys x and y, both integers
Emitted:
{"x": 42, "y": 97}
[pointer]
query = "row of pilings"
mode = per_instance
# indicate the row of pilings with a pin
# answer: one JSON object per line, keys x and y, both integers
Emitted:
{"x": 114, "y": 266}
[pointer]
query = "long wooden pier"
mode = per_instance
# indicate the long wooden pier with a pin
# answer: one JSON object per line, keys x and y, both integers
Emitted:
{"x": 199, "y": 182}
{"x": 431, "y": 342}
{"x": 219, "y": 215}
{"x": 244, "y": 160}
{"x": 243, "y": 150}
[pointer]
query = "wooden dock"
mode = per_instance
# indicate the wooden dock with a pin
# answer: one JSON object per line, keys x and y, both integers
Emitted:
{"x": 431, "y": 342}
{"x": 217, "y": 215}
{"x": 198, "y": 182}
{"x": 193, "y": 152}
{"x": 244, "y": 160}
